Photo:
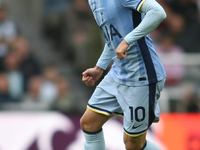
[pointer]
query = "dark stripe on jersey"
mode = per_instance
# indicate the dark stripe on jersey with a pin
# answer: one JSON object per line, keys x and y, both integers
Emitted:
{"x": 151, "y": 73}
{"x": 100, "y": 109}
{"x": 152, "y": 94}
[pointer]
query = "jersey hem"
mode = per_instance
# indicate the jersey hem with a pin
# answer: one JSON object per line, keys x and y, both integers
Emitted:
{"x": 135, "y": 83}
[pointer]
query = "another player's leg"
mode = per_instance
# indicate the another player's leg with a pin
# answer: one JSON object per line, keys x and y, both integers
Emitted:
{"x": 91, "y": 123}
{"x": 139, "y": 143}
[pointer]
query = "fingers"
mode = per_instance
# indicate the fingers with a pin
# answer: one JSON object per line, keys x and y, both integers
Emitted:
{"x": 88, "y": 80}
{"x": 85, "y": 78}
{"x": 85, "y": 73}
{"x": 121, "y": 55}
{"x": 121, "y": 50}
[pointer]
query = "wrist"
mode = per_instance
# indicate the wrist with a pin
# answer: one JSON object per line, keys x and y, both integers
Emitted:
{"x": 128, "y": 39}
{"x": 98, "y": 68}
{"x": 126, "y": 44}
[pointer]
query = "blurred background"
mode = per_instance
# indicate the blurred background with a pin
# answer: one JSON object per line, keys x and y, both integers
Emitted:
{"x": 45, "y": 45}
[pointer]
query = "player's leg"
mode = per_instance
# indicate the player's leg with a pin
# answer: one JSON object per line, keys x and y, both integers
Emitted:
{"x": 91, "y": 123}
{"x": 140, "y": 105}
{"x": 139, "y": 143}
{"x": 101, "y": 107}
{"x": 134, "y": 143}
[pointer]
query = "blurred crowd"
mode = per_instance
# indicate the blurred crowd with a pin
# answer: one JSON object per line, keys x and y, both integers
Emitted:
{"x": 25, "y": 84}
{"x": 177, "y": 37}
{"x": 70, "y": 26}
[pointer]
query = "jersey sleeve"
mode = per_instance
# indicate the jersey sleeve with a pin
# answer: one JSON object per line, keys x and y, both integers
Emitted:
{"x": 105, "y": 58}
{"x": 155, "y": 14}
{"x": 133, "y": 4}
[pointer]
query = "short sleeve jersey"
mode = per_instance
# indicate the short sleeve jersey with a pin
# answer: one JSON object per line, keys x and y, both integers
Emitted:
{"x": 117, "y": 18}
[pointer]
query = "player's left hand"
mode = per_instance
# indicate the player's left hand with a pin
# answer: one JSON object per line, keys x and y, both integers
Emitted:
{"x": 121, "y": 50}
{"x": 91, "y": 75}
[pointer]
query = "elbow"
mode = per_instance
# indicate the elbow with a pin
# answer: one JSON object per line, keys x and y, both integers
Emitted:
{"x": 160, "y": 13}
{"x": 163, "y": 15}
{"x": 155, "y": 8}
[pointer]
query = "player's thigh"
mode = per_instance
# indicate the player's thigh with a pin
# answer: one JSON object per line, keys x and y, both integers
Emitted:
{"x": 138, "y": 105}
{"x": 92, "y": 121}
{"x": 135, "y": 143}
{"x": 134, "y": 102}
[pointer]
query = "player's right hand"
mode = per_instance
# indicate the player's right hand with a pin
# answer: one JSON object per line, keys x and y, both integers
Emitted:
{"x": 90, "y": 76}
{"x": 121, "y": 50}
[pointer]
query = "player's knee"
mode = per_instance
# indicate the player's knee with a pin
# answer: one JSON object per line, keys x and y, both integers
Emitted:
{"x": 83, "y": 122}
{"x": 86, "y": 124}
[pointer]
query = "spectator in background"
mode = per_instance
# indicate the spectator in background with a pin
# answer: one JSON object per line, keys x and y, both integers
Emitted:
{"x": 29, "y": 66}
{"x": 186, "y": 8}
{"x": 191, "y": 98}
{"x": 183, "y": 23}
{"x": 176, "y": 25}
{"x": 8, "y": 31}
{"x": 32, "y": 100}
{"x": 49, "y": 90}
{"x": 172, "y": 58}
{"x": 54, "y": 21}
{"x": 15, "y": 77}
{"x": 65, "y": 101}
{"x": 81, "y": 35}
{"x": 33, "y": 92}
{"x": 198, "y": 6}
{"x": 5, "y": 96}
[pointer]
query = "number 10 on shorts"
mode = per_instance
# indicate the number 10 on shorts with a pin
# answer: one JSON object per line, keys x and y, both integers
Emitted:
{"x": 138, "y": 113}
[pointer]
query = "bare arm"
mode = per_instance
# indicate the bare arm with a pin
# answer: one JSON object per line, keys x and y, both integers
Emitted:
{"x": 90, "y": 76}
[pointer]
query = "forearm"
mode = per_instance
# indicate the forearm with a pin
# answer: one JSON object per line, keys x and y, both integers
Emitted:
{"x": 98, "y": 68}
{"x": 105, "y": 58}
{"x": 155, "y": 14}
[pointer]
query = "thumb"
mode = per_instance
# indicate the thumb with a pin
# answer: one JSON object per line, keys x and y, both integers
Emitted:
{"x": 125, "y": 54}
{"x": 85, "y": 73}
